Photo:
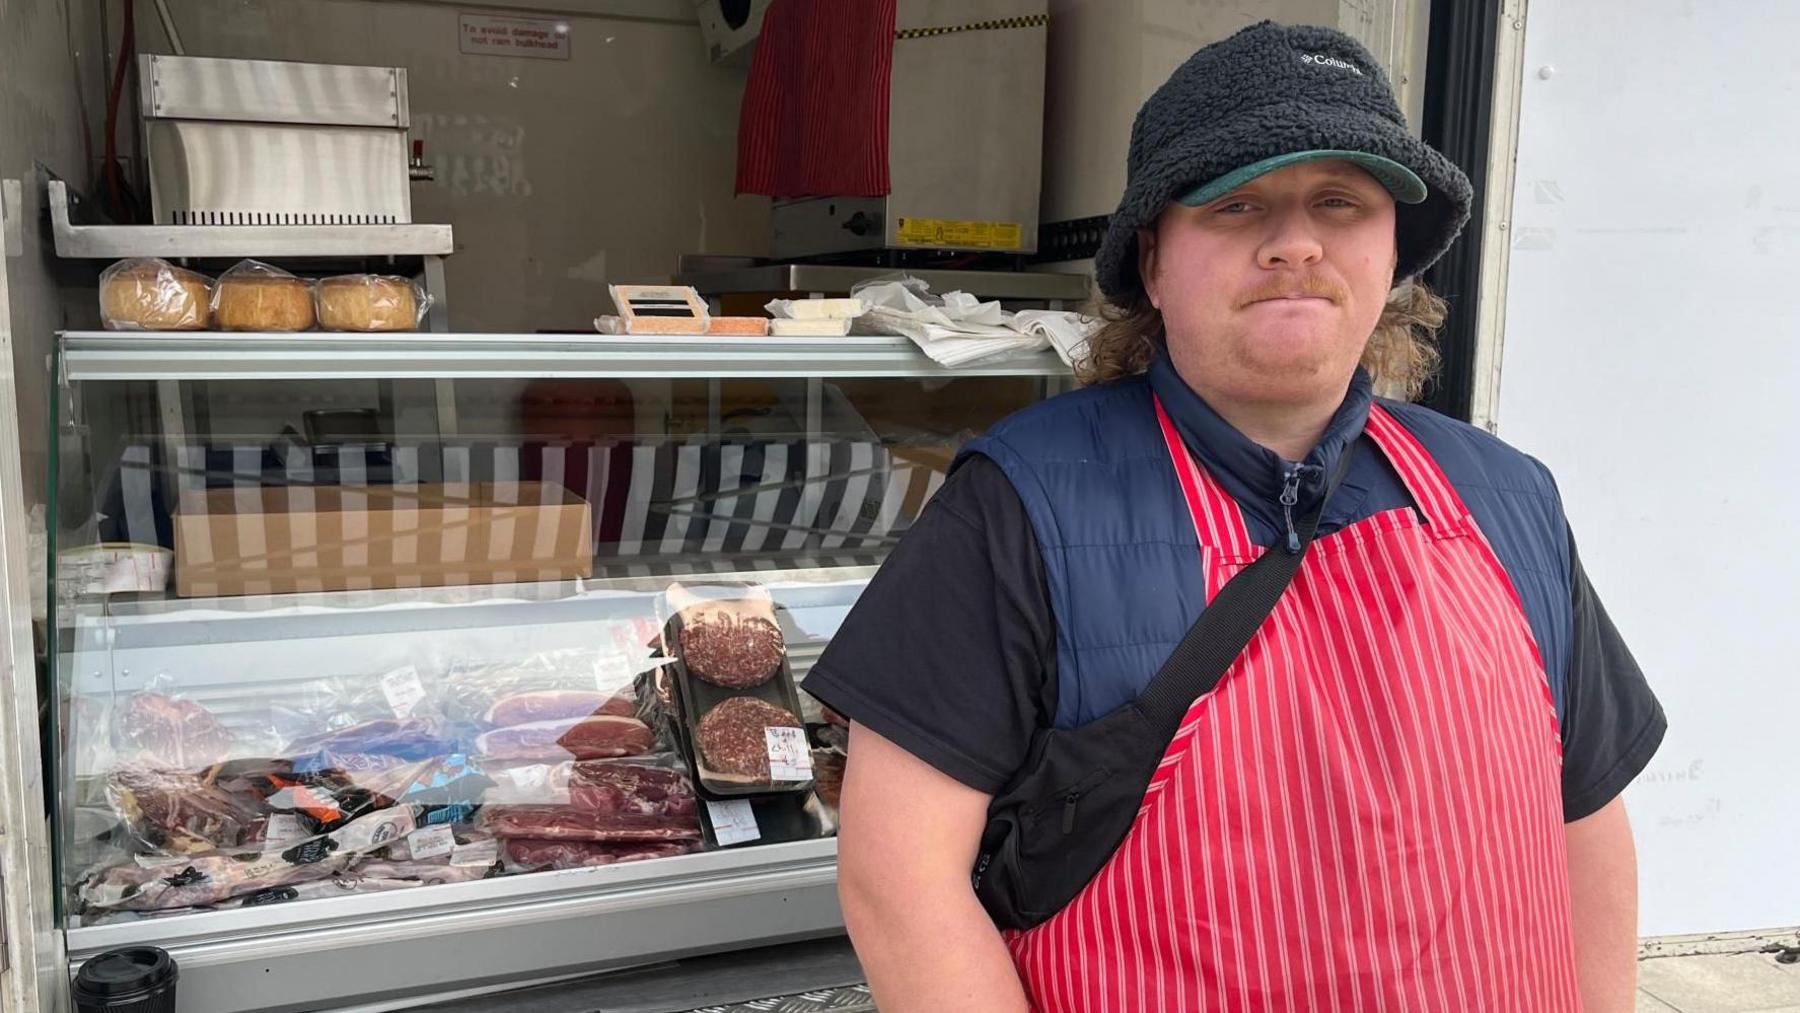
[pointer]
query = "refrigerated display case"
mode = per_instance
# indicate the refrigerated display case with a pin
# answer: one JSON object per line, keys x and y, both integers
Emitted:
{"x": 365, "y": 672}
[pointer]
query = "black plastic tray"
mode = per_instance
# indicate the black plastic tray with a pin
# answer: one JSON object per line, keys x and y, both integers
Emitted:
{"x": 694, "y": 697}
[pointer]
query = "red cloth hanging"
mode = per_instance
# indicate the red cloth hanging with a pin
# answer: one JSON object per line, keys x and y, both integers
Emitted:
{"x": 814, "y": 122}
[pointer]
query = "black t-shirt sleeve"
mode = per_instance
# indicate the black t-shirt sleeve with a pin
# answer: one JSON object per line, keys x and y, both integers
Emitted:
{"x": 950, "y": 652}
{"x": 1612, "y": 722}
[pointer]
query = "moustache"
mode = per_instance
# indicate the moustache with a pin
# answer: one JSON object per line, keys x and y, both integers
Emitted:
{"x": 1287, "y": 288}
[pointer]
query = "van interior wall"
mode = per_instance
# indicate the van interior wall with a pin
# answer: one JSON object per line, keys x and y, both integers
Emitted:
{"x": 559, "y": 176}
{"x": 38, "y": 108}
{"x": 1107, "y": 56}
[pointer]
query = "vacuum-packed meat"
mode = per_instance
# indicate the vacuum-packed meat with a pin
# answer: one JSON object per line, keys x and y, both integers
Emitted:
{"x": 564, "y": 823}
{"x": 630, "y": 788}
{"x": 523, "y": 854}
{"x": 179, "y": 812}
{"x": 732, "y": 738}
{"x": 413, "y": 739}
{"x": 156, "y": 883}
{"x": 558, "y": 705}
{"x": 161, "y": 731}
{"x": 588, "y": 738}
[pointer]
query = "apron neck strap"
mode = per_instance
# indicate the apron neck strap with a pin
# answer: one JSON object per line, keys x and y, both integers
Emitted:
{"x": 1431, "y": 490}
{"x": 1219, "y": 522}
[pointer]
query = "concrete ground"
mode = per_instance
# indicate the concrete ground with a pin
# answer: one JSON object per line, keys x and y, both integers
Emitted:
{"x": 1747, "y": 981}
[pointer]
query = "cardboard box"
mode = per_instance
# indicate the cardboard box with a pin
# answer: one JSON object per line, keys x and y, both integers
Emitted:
{"x": 338, "y": 538}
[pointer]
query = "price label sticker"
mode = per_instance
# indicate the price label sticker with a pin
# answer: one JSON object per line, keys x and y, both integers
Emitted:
{"x": 403, "y": 690}
{"x": 480, "y": 854}
{"x": 789, "y": 757}
{"x": 431, "y": 842}
{"x": 733, "y": 822}
{"x": 282, "y": 829}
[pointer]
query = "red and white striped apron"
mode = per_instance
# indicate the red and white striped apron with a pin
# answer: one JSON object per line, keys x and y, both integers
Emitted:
{"x": 1365, "y": 813}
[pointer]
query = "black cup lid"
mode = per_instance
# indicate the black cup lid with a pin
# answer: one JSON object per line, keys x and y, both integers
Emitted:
{"x": 119, "y": 972}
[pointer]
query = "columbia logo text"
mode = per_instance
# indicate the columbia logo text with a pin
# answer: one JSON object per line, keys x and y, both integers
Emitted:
{"x": 1330, "y": 61}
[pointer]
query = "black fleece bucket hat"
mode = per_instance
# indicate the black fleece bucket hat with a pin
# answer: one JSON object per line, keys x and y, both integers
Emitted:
{"x": 1270, "y": 96}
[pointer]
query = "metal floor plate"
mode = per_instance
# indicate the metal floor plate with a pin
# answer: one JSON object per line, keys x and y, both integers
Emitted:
{"x": 849, "y": 999}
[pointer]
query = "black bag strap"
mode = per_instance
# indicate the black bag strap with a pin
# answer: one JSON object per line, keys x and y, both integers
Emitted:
{"x": 1228, "y": 622}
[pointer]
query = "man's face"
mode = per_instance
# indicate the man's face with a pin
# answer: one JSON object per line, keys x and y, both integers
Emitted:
{"x": 1269, "y": 293}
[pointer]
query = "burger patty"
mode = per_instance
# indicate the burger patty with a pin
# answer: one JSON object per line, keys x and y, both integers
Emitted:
{"x": 731, "y": 652}
{"x": 731, "y": 735}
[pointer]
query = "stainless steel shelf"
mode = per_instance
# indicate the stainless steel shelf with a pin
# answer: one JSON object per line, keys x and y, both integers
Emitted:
{"x": 113, "y": 242}
{"x": 827, "y": 278}
{"x": 118, "y": 355}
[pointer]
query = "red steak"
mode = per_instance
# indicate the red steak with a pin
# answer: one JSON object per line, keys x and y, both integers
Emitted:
{"x": 558, "y": 705}
{"x": 172, "y": 734}
{"x": 563, "y": 823}
{"x": 589, "y": 738}
{"x": 630, "y": 788}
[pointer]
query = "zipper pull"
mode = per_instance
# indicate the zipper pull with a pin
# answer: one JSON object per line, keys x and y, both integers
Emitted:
{"x": 1069, "y": 813}
{"x": 1290, "y": 495}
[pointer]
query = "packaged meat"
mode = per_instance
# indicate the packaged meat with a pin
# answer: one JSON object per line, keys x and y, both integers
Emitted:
{"x": 254, "y": 296}
{"x": 586, "y": 738}
{"x": 370, "y": 302}
{"x": 340, "y": 885}
{"x": 412, "y": 739}
{"x": 601, "y": 786}
{"x": 463, "y": 845}
{"x": 443, "y": 789}
{"x": 201, "y": 881}
{"x": 159, "y": 730}
{"x": 654, "y": 786}
{"x": 733, "y": 737}
{"x": 528, "y": 855}
{"x": 558, "y": 705}
{"x": 180, "y": 812}
{"x": 828, "y": 775}
{"x": 730, "y": 641}
{"x": 505, "y": 692}
{"x": 148, "y": 294}
{"x": 159, "y": 882}
{"x": 566, "y": 823}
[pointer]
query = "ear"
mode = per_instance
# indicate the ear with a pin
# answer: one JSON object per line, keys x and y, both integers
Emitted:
{"x": 1147, "y": 265}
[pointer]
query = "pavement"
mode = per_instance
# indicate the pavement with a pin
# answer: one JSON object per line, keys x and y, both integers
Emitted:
{"x": 1738, "y": 975}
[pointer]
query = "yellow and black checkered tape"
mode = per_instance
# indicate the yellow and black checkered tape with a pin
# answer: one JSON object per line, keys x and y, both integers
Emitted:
{"x": 999, "y": 24}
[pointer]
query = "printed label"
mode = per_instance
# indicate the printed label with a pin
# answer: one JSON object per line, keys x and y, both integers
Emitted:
{"x": 431, "y": 842}
{"x": 537, "y": 38}
{"x": 480, "y": 854}
{"x": 403, "y": 690}
{"x": 733, "y": 822}
{"x": 789, "y": 758}
{"x": 281, "y": 830}
{"x": 952, "y": 233}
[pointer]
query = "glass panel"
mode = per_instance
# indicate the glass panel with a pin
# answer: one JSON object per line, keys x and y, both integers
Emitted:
{"x": 319, "y": 638}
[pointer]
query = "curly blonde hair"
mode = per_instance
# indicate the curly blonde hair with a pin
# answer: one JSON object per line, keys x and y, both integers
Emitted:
{"x": 1401, "y": 355}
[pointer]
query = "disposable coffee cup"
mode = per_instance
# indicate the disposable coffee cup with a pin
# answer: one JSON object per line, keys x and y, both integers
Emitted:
{"x": 135, "y": 979}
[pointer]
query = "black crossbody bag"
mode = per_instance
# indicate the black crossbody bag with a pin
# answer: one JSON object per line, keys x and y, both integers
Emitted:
{"x": 1068, "y": 809}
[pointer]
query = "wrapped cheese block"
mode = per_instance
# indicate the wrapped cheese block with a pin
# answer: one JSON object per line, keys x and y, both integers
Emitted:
{"x": 254, "y": 296}
{"x": 369, "y": 302}
{"x": 147, "y": 294}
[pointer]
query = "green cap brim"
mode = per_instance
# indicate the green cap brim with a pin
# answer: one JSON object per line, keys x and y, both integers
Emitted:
{"x": 1403, "y": 183}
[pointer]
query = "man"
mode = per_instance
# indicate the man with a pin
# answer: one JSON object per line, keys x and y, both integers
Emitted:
{"x": 1404, "y": 793}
